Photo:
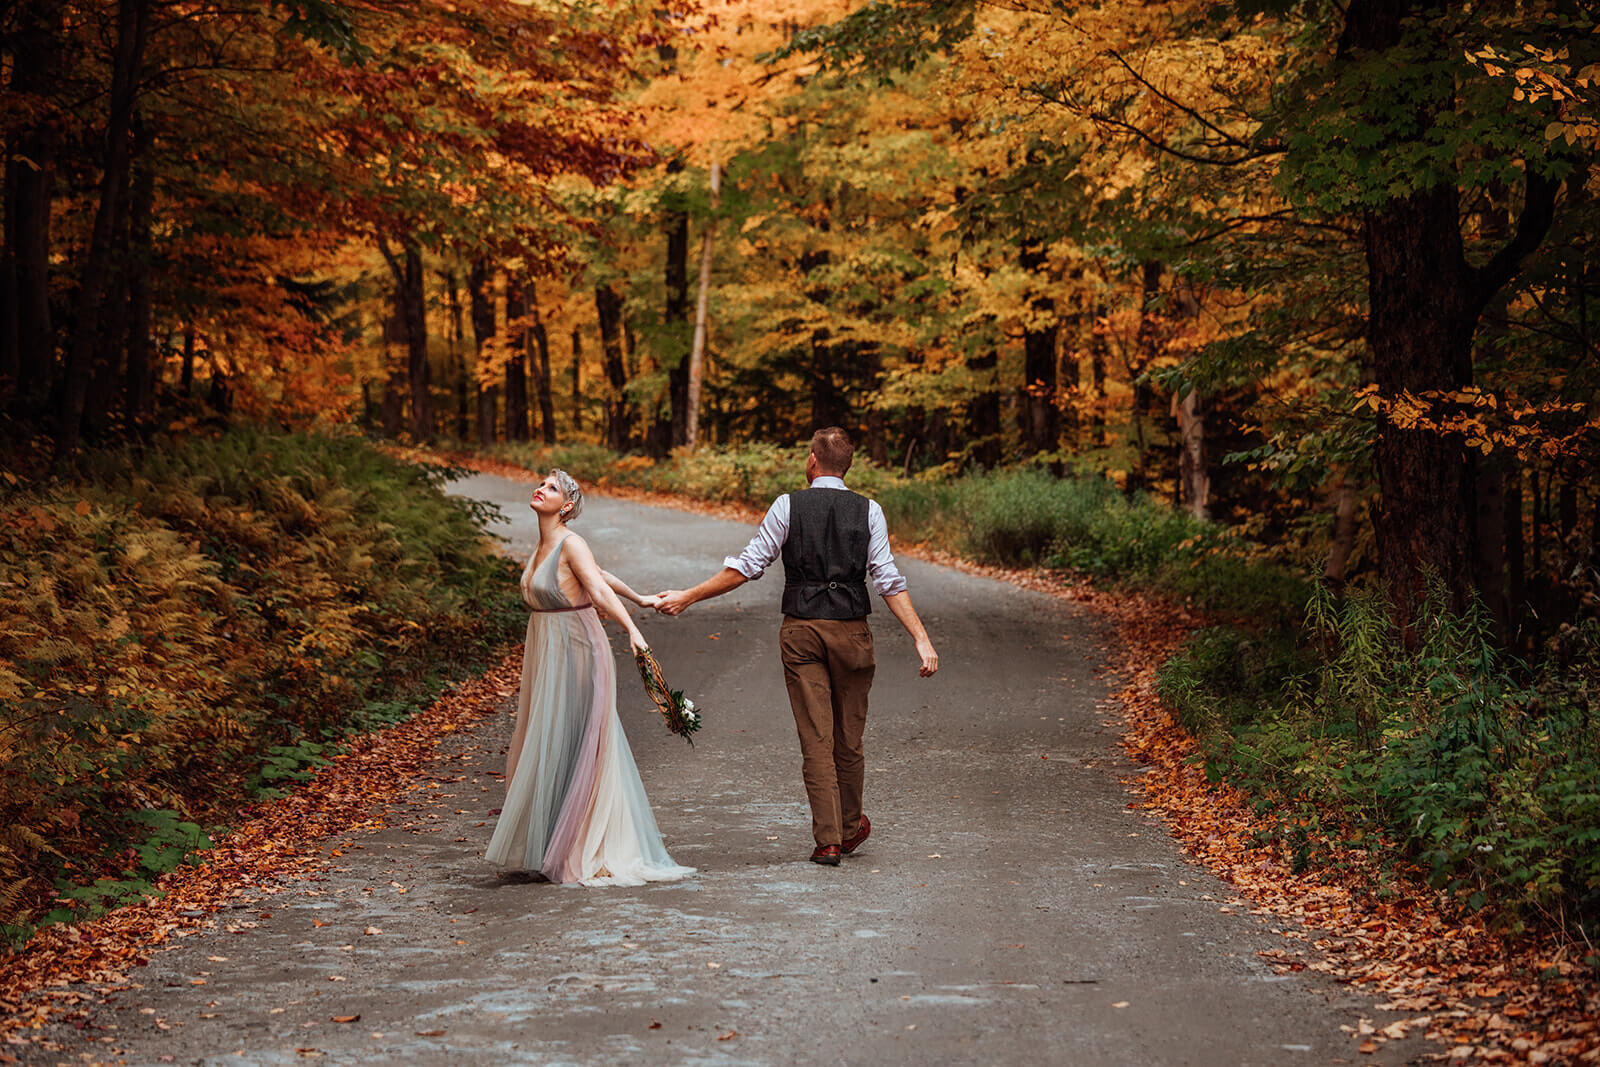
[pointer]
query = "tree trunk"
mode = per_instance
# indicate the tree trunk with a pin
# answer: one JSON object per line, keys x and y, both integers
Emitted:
{"x": 133, "y": 18}
{"x": 1516, "y": 570}
{"x": 677, "y": 323}
{"x": 414, "y": 312}
{"x": 517, "y": 427}
{"x": 482, "y": 309}
{"x": 697, "y": 348}
{"x": 186, "y": 375}
{"x": 140, "y": 384}
{"x": 127, "y": 58}
{"x": 577, "y": 381}
{"x": 26, "y": 339}
{"x": 1424, "y": 300}
{"x": 1344, "y": 529}
{"x": 983, "y": 411}
{"x": 1194, "y": 482}
{"x": 458, "y": 355}
{"x": 1148, "y": 344}
{"x": 1489, "y": 561}
{"x": 1097, "y": 376}
{"x": 1042, "y": 415}
{"x": 608, "y": 308}
{"x": 392, "y": 412}
{"x": 540, "y": 355}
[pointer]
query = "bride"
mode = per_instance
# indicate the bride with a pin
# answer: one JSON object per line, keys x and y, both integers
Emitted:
{"x": 575, "y": 809}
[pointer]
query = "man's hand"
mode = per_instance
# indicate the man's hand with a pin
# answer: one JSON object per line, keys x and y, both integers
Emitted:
{"x": 930, "y": 658}
{"x": 673, "y": 601}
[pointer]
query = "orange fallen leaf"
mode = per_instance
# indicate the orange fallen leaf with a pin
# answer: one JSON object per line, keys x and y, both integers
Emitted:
{"x": 1368, "y": 1046}
{"x": 347, "y": 1018}
{"x": 729, "y": 1036}
{"x": 429, "y": 1033}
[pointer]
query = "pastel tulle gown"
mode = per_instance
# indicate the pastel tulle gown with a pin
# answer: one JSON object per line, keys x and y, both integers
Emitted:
{"x": 575, "y": 809}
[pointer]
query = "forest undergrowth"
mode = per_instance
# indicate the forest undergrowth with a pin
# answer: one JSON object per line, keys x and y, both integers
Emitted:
{"x": 1445, "y": 761}
{"x": 192, "y": 629}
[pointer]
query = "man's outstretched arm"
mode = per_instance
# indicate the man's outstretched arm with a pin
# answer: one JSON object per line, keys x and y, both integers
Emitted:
{"x": 676, "y": 601}
{"x": 900, "y": 605}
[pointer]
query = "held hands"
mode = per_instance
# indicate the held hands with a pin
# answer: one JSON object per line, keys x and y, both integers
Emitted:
{"x": 672, "y": 601}
{"x": 651, "y": 601}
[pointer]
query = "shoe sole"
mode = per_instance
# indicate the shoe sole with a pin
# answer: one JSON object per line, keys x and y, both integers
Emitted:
{"x": 825, "y": 861}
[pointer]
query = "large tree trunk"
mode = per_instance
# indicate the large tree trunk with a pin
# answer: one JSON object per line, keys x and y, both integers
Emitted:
{"x": 1424, "y": 301}
{"x": 517, "y": 427}
{"x": 482, "y": 303}
{"x": 608, "y": 308}
{"x": 133, "y": 19}
{"x": 26, "y": 340}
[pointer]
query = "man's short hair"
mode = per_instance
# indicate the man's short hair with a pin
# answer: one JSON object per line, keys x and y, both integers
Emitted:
{"x": 833, "y": 449}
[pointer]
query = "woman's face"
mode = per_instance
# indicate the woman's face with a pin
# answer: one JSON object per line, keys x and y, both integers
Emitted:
{"x": 548, "y": 499}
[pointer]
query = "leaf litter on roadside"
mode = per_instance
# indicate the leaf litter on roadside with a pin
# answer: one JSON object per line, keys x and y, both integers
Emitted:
{"x": 280, "y": 841}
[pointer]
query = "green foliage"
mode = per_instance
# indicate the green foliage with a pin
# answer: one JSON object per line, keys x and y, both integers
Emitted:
{"x": 1485, "y": 773}
{"x": 209, "y": 619}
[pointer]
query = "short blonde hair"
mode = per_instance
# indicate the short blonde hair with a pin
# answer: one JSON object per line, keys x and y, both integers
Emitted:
{"x": 572, "y": 491}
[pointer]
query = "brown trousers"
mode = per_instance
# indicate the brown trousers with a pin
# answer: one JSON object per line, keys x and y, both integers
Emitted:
{"x": 828, "y": 667}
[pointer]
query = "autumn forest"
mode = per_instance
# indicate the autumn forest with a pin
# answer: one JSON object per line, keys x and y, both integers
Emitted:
{"x": 1279, "y": 310}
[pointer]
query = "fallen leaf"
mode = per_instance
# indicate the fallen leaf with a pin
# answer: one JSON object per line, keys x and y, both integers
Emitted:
{"x": 729, "y": 1036}
{"x": 347, "y": 1018}
{"x": 1368, "y": 1046}
{"x": 654, "y": 1025}
{"x": 429, "y": 1033}
{"x": 372, "y": 930}
{"x": 1120, "y": 1004}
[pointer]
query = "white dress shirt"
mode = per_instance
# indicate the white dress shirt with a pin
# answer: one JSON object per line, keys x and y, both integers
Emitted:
{"x": 767, "y": 544}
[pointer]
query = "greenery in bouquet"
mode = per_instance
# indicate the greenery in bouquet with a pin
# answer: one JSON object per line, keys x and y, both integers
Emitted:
{"x": 681, "y": 714}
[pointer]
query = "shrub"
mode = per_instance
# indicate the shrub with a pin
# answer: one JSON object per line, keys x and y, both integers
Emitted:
{"x": 168, "y": 621}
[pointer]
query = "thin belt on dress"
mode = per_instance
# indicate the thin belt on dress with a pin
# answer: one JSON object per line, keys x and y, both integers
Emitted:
{"x": 548, "y": 611}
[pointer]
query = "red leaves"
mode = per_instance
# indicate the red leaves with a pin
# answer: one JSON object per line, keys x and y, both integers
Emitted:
{"x": 1531, "y": 1001}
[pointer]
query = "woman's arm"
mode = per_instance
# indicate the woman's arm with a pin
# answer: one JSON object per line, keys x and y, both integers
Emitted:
{"x": 592, "y": 578}
{"x": 621, "y": 588}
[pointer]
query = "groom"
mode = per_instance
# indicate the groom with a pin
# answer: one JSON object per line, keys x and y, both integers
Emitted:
{"x": 831, "y": 540}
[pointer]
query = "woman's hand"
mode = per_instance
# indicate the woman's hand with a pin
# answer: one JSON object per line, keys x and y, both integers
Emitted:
{"x": 636, "y": 641}
{"x": 649, "y": 600}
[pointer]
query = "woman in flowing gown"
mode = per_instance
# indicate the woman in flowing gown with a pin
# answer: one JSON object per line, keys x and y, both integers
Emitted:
{"x": 575, "y": 808}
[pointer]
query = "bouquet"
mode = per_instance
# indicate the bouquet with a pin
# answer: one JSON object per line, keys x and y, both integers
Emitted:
{"x": 683, "y": 718}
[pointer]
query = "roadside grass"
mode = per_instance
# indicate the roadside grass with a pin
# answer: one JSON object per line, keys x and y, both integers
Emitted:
{"x": 196, "y": 627}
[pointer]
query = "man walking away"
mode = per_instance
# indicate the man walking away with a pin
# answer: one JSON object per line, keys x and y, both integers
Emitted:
{"x": 831, "y": 541}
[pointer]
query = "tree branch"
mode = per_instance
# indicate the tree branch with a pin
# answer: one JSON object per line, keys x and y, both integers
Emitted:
{"x": 1538, "y": 211}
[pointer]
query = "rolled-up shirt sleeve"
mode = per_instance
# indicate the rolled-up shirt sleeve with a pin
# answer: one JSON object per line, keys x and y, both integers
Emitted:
{"x": 886, "y": 577}
{"x": 767, "y": 544}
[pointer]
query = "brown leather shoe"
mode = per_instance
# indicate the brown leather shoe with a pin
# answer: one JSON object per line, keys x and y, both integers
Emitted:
{"x": 826, "y": 854}
{"x": 853, "y": 843}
